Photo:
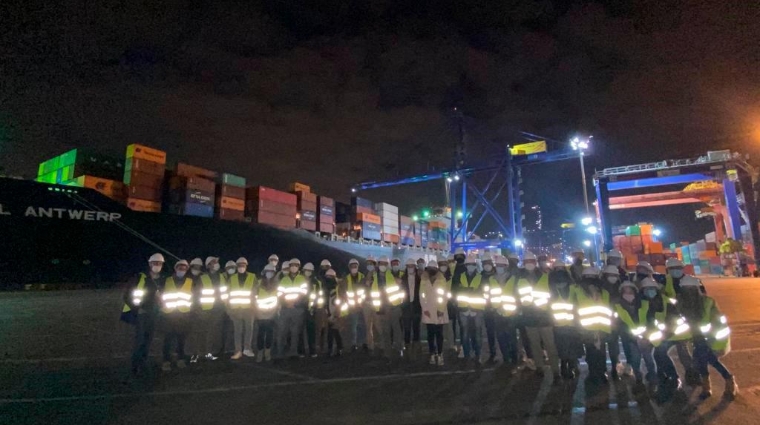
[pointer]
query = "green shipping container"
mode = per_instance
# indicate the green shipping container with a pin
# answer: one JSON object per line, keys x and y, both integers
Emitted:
{"x": 48, "y": 167}
{"x": 633, "y": 231}
{"x": 47, "y": 178}
{"x": 69, "y": 158}
{"x": 233, "y": 180}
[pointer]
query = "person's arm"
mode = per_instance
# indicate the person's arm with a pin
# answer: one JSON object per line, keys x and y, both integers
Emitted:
{"x": 131, "y": 285}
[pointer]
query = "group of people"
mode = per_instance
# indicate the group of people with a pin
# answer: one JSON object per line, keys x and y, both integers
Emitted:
{"x": 541, "y": 316}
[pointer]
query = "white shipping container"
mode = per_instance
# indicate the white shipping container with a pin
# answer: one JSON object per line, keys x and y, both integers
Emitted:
{"x": 387, "y": 214}
{"x": 382, "y": 206}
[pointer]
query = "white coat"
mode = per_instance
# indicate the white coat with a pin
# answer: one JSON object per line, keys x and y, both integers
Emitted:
{"x": 434, "y": 297}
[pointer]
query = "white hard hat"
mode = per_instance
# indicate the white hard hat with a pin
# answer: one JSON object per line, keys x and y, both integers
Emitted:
{"x": 576, "y": 251}
{"x": 325, "y": 263}
{"x": 308, "y": 266}
{"x": 353, "y": 261}
{"x": 432, "y": 264}
{"x": 486, "y": 257}
{"x": 628, "y": 284}
{"x": 395, "y": 260}
{"x": 459, "y": 251}
{"x": 614, "y": 253}
{"x": 209, "y": 260}
{"x": 611, "y": 270}
{"x": 197, "y": 262}
{"x": 410, "y": 262}
{"x": 383, "y": 259}
{"x": 330, "y": 273}
{"x": 241, "y": 260}
{"x": 690, "y": 281}
{"x": 501, "y": 260}
{"x": 269, "y": 268}
{"x": 513, "y": 256}
{"x": 274, "y": 257}
{"x": 450, "y": 257}
{"x": 295, "y": 261}
{"x": 558, "y": 264}
{"x": 371, "y": 259}
{"x": 529, "y": 256}
{"x": 285, "y": 265}
{"x": 230, "y": 264}
{"x": 181, "y": 263}
{"x": 471, "y": 259}
{"x": 648, "y": 282}
{"x": 590, "y": 271}
{"x": 646, "y": 265}
{"x": 673, "y": 262}
{"x": 156, "y": 258}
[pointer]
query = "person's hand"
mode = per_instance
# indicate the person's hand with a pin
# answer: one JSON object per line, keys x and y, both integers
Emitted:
{"x": 427, "y": 314}
{"x": 440, "y": 314}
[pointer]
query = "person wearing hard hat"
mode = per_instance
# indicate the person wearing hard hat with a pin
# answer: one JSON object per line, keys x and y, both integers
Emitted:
{"x": 452, "y": 264}
{"x": 675, "y": 272}
{"x": 142, "y": 304}
{"x": 315, "y": 320}
{"x": 595, "y": 318}
{"x": 337, "y": 310}
{"x": 283, "y": 269}
{"x": 240, "y": 308}
{"x": 368, "y": 326}
{"x": 273, "y": 260}
{"x": 201, "y": 304}
{"x": 355, "y": 319}
{"x": 535, "y": 315}
{"x": 293, "y": 292}
{"x": 711, "y": 335}
{"x": 471, "y": 303}
{"x": 610, "y": 281}
{"x": 633, "y": 324}
{"x": 615, "y": 258}
{"x": 421, "y": 263}
{"x": 267, "y": 307}
{"x": 434, "y": 294}
{"x": 324, "y": 266}
{"x": 576, "y": 268}
{"x": 489, "y": 314}
{"x": 503, "y": 301}
{"x": 390, "y": 310}
{"x": 178, "y": 314}
{"x": 666, "y": 322}
{"x": 567, "y": 338}
{"x": 543, "y": 263}
{"x": 214, "y": 291}
{"x": 449, "y": 341}
{"x": 643, "y": 271}
{"x": 412, "y": 308}
{"x": 514, "y": 263}
{"x": 396, "y": 268}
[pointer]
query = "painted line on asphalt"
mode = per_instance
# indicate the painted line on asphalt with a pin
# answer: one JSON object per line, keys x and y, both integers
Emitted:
{"x": 94, "y": 397}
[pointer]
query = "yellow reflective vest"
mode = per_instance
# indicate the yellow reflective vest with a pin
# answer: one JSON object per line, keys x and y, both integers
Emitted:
{"x": 177, "y": 298}
{"x": 563, "y": 310}
{"x": 393, "y": 292}
{"x": 594, "y": 315}
{"x": 136, "y": 294}
{"x": 241, "y": 293}
{"x": 293, "y": 290}
{"x": 470, "y": 295}
{"x": 267, "y": 303}
{"x": 637, "y": 328}
{"x": 209, "y": 294}
{"x": 355, "y": 297}
{"x": 503, "y": 297}
{"x": 714, "y": 326}
{"x": 537, "y": 294}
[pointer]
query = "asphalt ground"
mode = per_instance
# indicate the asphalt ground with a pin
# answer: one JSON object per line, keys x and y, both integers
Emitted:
{"x": 64, "y": 360}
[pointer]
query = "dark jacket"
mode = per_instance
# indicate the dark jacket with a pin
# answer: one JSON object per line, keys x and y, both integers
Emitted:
{"x": 150, "y": 301}
{"x": 414, "y": 305}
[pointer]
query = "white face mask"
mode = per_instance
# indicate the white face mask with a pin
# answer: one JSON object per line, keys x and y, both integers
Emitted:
{"x": 242, "y": 269}
{"x": 629, "y": 297}
{"x": 612, "y": 279}
{"x": 471, "y": 269}
{"x": 530, "y": 267}
{"x": 156, "y": 269}
{"x": 307, "y": 273}
{"x": 501, "y": 270}
{"x": 269, "y": 275}
{"x": 395, "y": 268}
{"x": 273, "y": 262}
{"x": 488, "y": 267}
{"x": 411, "y": 270}
{"x": 195, "y": 272}
{"x": 370, "y": 268}
{"x": 180, "y": 273}
{"x": 444, "y": 269}
{"x": 676, "y": 273}
{"x": 215, "y": 268}
{"x": 383, "y": 268}
{"x": 230, "y": 271}
{"x": 293, "y": 269}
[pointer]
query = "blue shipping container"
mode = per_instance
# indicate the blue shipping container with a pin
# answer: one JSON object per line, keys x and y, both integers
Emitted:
{"x": 198, "y": 210}
{"x": 407, "y": 241}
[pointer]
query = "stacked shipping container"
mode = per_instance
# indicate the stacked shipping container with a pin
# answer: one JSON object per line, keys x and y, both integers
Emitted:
{"x": 366, "y": 222}
{"x": 326, "y": 215}
{"x": 389, "y": 220}
{"x": 306, "y": 202}
{"x": 79, "y": 162}
{"x": 230, "y": 201}
{"x": 144, "y": 175}
{"x": 271, "y": 207}
{"x": 406, "y": 230}
{"x": 191, "y": 191}
{"x": 438, "y": 236}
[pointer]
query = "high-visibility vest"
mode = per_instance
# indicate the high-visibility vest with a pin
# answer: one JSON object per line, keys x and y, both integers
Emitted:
{"x": 670, "y": 287}
{"x": 594, "y": 315}
{"x": 537, "y": 294}
{"x": 470, "y": 294}
{"x": 177, "y": 298}
{"x": 355, "y": 298}
{"x": 563, "y": 310}
{"x": 503, "y": 298}
{"x": 392, "y": 290}
{"x": 267, "y": 300}
{"x": 241, "y": 293}
{"x": 340, "y": 306}
{"x": 638, "y": 328}
{"x": 137, "y": 294}
{"x": 714, "y": 326}
{"x": 209, "y": 294}
{"x": 316, "y": 296}
{"x": 293, "y": 290}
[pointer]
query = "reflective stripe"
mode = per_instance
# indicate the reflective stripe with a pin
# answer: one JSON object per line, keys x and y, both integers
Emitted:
{"x": 509, "y": 307}
{"x": 207, "y": 292}
{"x": 705, "y": 328}
{"x": 222, "y": 289}
{"x": 585, "y": 311}
{"x": 138, "y": 293}
{"x": 540, "y": 302}
{"x": 562, "y": 306}
{"x": 655, "y": 336}
{"x": 375, "y": 294}
{"x": 440, "y": 300}
{"x": 496, "y": 291}
{"x": 638, "y": 331}
{"x": 396, "y": 297}
{"x": 291, "y": 297}
{"x": 208, "y": 300}
{"x": 525, "y": 290}
{"x": 596, "y": 321}
{"x": 136, "y": 301}
{"x": 723, "y": 333}
{"x": 240, "y": 293}
{"x": 390, "y": 289}
{"x": 564, "y": 317}
{"x": 508, "y": 299}
{"x": 377, "y": 303}
{"x": 723, "y": 320}
{"x": 224, "y": 297}
{"x": 681, "y": 329}
{"x": 240, "y": 301}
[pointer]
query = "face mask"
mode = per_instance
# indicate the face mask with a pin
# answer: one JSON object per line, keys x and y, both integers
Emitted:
{"x": 444, "y": 269}
{"x": 488, "y": 267}
{"x": 215, "y": 268}
{"x": 471, "y": 269}
{"x": 370, "y": 268}
{"x": 676, "y": 274}
{"x": 269, "y": 275}
{"x": 294, "y": 269}
{"x": 307, "y": 273}
{"x": 612, "y": 279}
{"x": 629, "y": 297}
{"x": 395, "y": 268}
{"x": 411, "y": 270}
{"x": 578, "y": 261}
{"x": 156, "y": 269}
{"x": 180, "y": 273}
{"x": 501, "y": 270}
{"x": 241, "y": 269}
{"x": 561, "y": 284}
{"x": 383, "y": 268}
{"x": 230, "y": 271}
{"x": 195, "y": 272}
{"x": 650, "y": 293}
{"x": 421, "y": 266}
{"x": 530, "y": 267}
{"x": 613, "y": 261}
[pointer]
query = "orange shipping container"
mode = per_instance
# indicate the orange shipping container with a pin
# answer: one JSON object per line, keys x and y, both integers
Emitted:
{"x": 143, "y": 152}
{"x": 231, "y": 203}
{"x": 299, "y": 187}
{"x": 142, "y": 205}
{"x": 110, "y": 188}
{"x": 368, "y": 218}
{"x": 655, "y": 248}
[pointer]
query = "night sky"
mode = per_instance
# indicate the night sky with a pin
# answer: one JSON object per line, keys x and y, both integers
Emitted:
{"x": 333, "y": 92}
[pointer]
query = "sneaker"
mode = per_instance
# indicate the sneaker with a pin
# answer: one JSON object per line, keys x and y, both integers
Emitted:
{"x": 194, "y": 358}
{"x": 433, "y": 359}
{"x": 440, "y": 360}
{"x": 181, "y": 364}
{"x": 249, "y": 353}
{"x": 461, "y": 353}
{"x": 166, "y": 367}
{"x": 314, "y": 356}
{"x": 259, "y": 359}
{"x": 237, "y": 356}
{"x": 268, "y": 354}
{"x": 530, "y": 364}
{"x": 211, "y": 357}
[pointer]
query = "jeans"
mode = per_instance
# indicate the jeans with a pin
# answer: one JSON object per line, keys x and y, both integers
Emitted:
{"x": 289, "y": 325}
{"x": 314, "y": 328}
{"x": 704, "y": 355}
{"x": 545, "y": 335}
{"x": 665, "y": 366}
{"x": 506, "y": 335}
{"x": 177, "y": 329}
{"x": 333, "y": 334}
{"x": 596, "y": 357}
{"x": 145, "y": 328}
{"x": 435, "y": 339}
{"x": 489, "y": 319}
{"x": 613, "y": 347}
{"x": 355, "y": 335}
{"x": 214, "y": 327}
{"x": 371, "y": 326}
{"x": 390, "y": 324}
{"x": 411, "y": 319}
{"x": 265, "y": 338}
{"x": 642, "y": 350}
{"x": 472, "y": 326}
{"x": 242, "y": 326}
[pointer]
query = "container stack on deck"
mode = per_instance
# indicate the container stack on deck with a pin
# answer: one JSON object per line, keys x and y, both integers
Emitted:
{"x": 144, "y": 175}
{"x": 406, "y": 229}
{"x": 271, "y": 207}
{"x": 326, "y": 214}
{"x": 702, "y": 255}
{"x": 389, "y": 220}
{"x": 306, "y": 203}
{"x": 191, "y": 191}
{"x": 422, "y": 230}
{"x": 231, "y": 197}
{"x": 83, "y": 168}
{"x": 367, "y": 223}
{"x": 438, "y": 233}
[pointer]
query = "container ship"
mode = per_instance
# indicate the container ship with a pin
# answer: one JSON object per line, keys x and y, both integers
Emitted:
{"x": 93, "y": 219}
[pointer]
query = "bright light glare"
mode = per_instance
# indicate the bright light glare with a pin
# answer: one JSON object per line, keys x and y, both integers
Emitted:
{"x": 587, "y": 243}
{"x": 592, "y": 229}
{"x": 415, "y": 218}
{"x": 579, "y": 144}
{"x": 586, "y": 221}
{"x": 460, "y": 214}
{"x": 456, "y": 177}
{"x": 657, "y": 232}
{"x": 353, "y": 190}
{"x": 518, "y": 243}
{"x": 448, "y": 179}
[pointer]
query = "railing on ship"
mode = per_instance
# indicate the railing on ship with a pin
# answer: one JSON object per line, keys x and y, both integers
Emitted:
{"x": 359, "y": 241}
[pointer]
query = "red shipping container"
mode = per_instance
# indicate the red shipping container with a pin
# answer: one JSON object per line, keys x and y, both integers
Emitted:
{"x": 145, "y": 166}
{"x": 308, "y": 225}
{"x": 306, "y": 205}
{"x": 192, "y": 183}
{"x": 142, "y": 192}
{"x": 362, "y": 210}
{"x": 267, "y": 194}
{"x": 277, "y": 220}
{"x": 231, "y": 191}
{"x": 326, "y": 228}
{"x": 307, "y": 197}
{"x": 136, "y": 178}
{"x": 270, "y": 206}
{"x": 227, "y": 214}
{"x": 328, "y": 202}
{"x": 187, "y": 170}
